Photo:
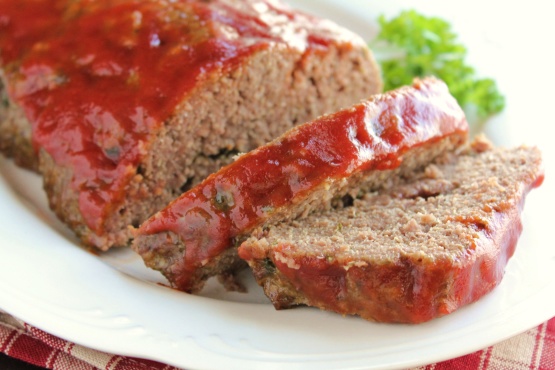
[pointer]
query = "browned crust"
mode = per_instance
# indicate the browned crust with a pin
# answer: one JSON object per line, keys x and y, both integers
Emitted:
{"x": 15, "y": 132}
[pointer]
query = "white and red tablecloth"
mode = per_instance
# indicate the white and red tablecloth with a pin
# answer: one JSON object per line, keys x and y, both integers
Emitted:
{"x": 534, "y": 349}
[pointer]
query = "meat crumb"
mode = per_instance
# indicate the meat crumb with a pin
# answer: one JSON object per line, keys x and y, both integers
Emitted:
{"x": 433, "y": 172}
{"x": 428, "y": 219}
{"x": 411, "y": 227}
{"x": 290, "y": 262}
{"x": 481, "y": 144}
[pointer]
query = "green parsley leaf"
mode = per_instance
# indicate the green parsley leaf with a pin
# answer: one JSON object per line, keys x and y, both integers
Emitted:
{"x": 413, "y": 45}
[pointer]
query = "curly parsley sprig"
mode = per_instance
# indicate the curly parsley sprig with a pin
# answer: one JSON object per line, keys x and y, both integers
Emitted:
{"x": 413, "y": 45}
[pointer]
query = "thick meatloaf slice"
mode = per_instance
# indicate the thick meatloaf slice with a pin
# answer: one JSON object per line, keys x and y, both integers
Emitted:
{"x": 126, "y": 104}
{"x": 409, "y": 253}
{"x": 311, "y": 167}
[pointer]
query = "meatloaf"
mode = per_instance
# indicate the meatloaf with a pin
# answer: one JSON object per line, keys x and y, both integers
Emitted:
{"x": 122, "y": 104}
{"x": 408, "y": 253}
{"x": 314, "y": 166}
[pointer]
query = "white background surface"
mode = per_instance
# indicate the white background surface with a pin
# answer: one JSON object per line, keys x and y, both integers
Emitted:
{"x": 113, "y": 303}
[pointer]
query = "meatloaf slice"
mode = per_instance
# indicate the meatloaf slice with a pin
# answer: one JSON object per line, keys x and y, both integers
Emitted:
{"x": 123, "y": 105}
{"x": 408, "y": 253}
{"x": 311, "y": 167}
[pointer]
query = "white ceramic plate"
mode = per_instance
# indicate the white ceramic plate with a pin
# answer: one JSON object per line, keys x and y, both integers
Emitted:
{"x": 113, "y": 303}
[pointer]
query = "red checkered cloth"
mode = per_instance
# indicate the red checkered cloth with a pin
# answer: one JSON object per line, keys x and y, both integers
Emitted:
{"x": 534, "y": 349}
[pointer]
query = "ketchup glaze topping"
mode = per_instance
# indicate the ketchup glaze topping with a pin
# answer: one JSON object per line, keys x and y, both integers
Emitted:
{"x": 97, "y": 77}
{"x": 373, "y": 135}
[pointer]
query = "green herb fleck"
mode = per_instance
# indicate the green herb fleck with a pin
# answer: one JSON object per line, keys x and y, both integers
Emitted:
{"x": 133, "y": 79}
{"x": 268, "y": 266}
{"x": 224, "y": 200}
{"x": 113, "y": 153}
{"x": 268, "y": 209}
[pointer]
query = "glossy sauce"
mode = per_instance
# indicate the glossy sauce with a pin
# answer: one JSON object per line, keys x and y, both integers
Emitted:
{"x": 369, "y": 136}
{"x": 97, "y": 78}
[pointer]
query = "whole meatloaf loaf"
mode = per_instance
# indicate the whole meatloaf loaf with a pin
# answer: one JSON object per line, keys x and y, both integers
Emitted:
{"x": 409, "y": 253}
{"x": 124, "y": 104}
{"x": 319, "y": 164}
